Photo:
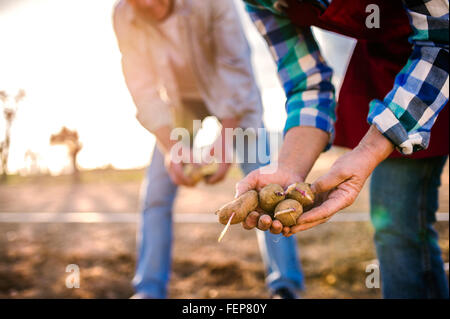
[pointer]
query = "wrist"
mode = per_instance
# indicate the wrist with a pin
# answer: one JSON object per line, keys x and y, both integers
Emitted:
{"x": 230, "y": 123}
{"x": 163, "y": 139}
{"x": 375, "y": 146}
{"x": 292, "y": 169}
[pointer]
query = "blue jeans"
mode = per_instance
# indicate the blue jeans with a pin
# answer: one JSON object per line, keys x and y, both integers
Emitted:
{"x": 155, "y": 239}
{"x": 404, "y": 201}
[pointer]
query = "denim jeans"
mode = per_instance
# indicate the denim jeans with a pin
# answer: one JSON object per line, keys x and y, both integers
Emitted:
{"x": 404, "y": 201}
{"x": 153, "y": 267}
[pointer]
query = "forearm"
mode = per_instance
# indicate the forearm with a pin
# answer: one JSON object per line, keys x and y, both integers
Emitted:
{"x": 301, "y": 148}
{"x": 304, "y": 74}
{"x": 163, "y": 139}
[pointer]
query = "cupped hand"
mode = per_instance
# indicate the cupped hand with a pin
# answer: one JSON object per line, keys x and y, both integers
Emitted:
{"x": 337, "y": 189}
{"x": 175, "y": 163}
{"x": 274, "y": 174}
{"x": 177, "y": 175}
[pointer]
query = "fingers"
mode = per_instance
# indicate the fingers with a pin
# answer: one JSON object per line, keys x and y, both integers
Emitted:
{"x": 264, "y": 222}
{"x": 175, "y": 179}
{"x": 303, "y": 227}
{"x": 338, "y": 200}
{"x": 329, "y": 181}
{"x": 286, "y": 231}
{"x": 255, "y": 219}
{"x": 251, "y": 221}
{"x": 318, "y": 213}
{"x": 177, "y": 175}
{"x": 276, "y": 227}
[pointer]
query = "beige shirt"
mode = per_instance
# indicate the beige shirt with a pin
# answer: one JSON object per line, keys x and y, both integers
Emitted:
{"x": 203, "y": 52}
{"x": 181, "y": 66}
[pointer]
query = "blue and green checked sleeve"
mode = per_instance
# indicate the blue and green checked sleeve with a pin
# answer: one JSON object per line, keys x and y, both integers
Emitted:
{"x": 304, "y": 75}
{"x": 409, "y": 110}
{"x": 421, "y": 89}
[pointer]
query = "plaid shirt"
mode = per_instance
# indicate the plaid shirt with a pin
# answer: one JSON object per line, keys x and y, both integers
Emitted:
{"x": 408, "y": 111}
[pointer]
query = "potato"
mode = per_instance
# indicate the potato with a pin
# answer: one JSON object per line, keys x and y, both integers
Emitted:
{"x": 241, "y": 206}
{"x": 301, "y": 192}
{"x": 193, "y": 172}
{"x": 198, "y": 172}
{"x": 287, "y": 212}
{"x": 270, "y": 196}
{"x": 209, "y": 169}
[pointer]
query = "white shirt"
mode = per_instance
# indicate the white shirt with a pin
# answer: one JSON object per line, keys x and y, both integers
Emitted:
{"x": 179, "y": 58}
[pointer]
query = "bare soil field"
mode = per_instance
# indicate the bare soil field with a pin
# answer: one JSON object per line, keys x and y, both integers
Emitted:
{"x": 34, "y": 257}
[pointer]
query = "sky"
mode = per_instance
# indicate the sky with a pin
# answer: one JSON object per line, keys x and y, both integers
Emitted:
{"x": 63, "y": 53}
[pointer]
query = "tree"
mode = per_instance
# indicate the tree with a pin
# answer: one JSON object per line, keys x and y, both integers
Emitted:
{"x": 70, "y": 139}
{"x": 10, "y": 106}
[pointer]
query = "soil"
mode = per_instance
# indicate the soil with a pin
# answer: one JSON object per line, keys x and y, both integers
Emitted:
{"x": 34, "y": 257}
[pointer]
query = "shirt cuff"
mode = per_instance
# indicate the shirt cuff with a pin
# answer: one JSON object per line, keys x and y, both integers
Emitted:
{"x": 312, "y": 117}
{"x": 389, "y": 125}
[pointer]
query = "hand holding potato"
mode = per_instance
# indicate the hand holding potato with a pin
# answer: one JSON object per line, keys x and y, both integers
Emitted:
{"x": 219, "y": 174}
{"x": 177, "y": 173}
{"x": 257, "y": 180}
{"x": 285, "y": 211}
{"x": 341, "y": 185}
{"x": 198, "y": 172}
{"x": 271, "y": 208}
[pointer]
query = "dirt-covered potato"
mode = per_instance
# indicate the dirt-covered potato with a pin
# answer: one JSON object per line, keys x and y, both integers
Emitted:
{"x": 301, "y": 192}
{"x": 198, "y": 172}
{"x": 288, "y": 211}
{"x": 209, "y": 169}
{"x": 270, "y": 196}
{"x": 241, "y": 206}
{"x": 193, "y": 172}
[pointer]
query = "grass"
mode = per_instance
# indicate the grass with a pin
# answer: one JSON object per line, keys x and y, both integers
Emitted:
{"x": 99, "y": 175}
{"x": 103, "y": 175}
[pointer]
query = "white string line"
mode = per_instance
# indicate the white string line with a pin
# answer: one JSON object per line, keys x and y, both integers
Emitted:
{"x": 124, "y": 218}
{"x": 98, "y": 217}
